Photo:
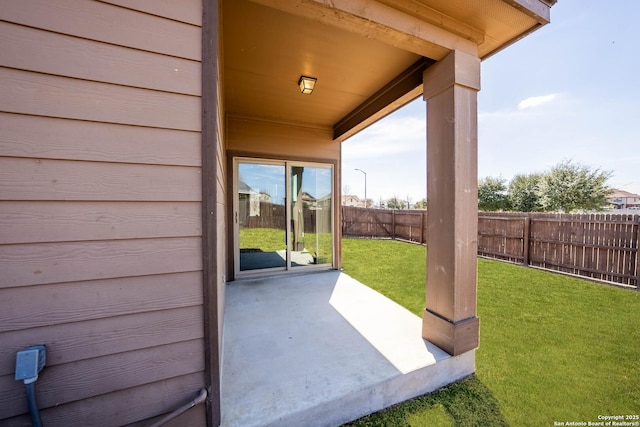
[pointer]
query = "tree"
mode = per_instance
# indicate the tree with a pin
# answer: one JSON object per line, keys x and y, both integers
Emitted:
{"x": 524, "y": 193}
{"x": 395, "y": 203}
{"x": 571, "y": 186}
{"x": 421, "y": 204}
{"x": 492, "y": 194}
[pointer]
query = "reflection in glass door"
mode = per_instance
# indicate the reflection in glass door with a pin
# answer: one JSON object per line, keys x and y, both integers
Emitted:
{"x": 311, "y": 207}
{"x": 261, "y": 216}
{"x": 283, "y": 215}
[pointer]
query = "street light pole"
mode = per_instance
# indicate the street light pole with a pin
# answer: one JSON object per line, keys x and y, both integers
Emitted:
{"x": 365, "y": 186}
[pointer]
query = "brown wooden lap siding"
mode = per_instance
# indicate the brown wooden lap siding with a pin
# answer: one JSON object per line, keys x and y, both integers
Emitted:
{"x": 100, "y": 207}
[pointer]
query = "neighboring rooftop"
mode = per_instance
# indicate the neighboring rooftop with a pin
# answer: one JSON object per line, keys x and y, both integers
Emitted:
{"x": 622, "y": 194}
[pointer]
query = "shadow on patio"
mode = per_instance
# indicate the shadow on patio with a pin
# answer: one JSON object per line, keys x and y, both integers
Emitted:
{"x": 321, "y": 349}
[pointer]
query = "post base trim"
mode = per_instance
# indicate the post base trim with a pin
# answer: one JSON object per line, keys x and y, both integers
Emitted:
{"x": 453, "y": 337}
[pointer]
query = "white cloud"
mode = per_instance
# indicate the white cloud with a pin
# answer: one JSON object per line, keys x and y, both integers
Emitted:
{"x": 534, "y": 101}
{"x": 393, "y": 135}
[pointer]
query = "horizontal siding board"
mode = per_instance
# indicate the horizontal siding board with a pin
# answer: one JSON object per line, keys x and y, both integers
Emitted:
{"x": 26, "y": 92}
{"x": 116, "y": 408}
{"x": 70, "y": 382}
{"x": 100, "y": 189}
{"x": 194, "y": 417}
{"x": 35, "y": 179}
{"x": 189, "y": 11}
{"x": 100, "y": 212}
{"x": 42, "y": 263}
{"x": 104, "y": 22}
{"x": 87, "y": 339}
{"x": 55, "y": 138}
{"x": 62, "y": 303}
{"x": 51, "y": 53}
{"x": 39, "y": 222}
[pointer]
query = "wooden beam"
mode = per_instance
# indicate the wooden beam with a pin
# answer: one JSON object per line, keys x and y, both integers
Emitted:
{"x": 508, "y": 43}
{"x": 540, "y": 10}
{"x": 383, "y": 101}
{"x": 435, "y": 17}
{"x": 378, "y": 21}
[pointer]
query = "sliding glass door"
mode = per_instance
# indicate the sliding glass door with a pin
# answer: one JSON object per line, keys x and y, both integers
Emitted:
{"x": 311, "y": 234}
{"x": 260, "y": 216}
{"x": 282, "y": 215}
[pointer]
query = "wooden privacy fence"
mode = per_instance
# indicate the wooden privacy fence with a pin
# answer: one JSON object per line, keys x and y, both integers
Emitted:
{"x": 384, "y": 223}
{"x": 273, "y": 216}
{"x": 598, "y": 246}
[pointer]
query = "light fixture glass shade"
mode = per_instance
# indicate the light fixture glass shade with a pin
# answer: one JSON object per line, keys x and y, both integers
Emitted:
{"x": 307, "y": 84}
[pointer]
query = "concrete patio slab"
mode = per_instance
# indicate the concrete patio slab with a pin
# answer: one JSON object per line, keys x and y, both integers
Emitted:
{"x": 321, "y": 349}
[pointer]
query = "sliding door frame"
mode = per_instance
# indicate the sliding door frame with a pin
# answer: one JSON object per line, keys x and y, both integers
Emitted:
{"x": 288, "y": 164}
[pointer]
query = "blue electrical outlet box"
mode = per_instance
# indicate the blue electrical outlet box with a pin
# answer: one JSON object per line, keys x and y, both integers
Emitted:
{"x": 30, "y": 361}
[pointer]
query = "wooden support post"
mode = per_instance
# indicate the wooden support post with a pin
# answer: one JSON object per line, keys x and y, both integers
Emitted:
{"x": 450, "y": 89}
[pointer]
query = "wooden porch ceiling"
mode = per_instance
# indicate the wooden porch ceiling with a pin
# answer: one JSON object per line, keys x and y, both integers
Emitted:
{"x": 267, "y": 50}
{"x": 365, "y": 68}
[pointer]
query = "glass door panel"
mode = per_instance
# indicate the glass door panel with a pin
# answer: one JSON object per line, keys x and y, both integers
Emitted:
{"x": 283, "y": 215}
{"x": 261, "y": 216}
{"x": 311, "y": 239}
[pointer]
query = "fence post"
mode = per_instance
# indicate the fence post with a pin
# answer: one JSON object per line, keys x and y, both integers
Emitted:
{"x": 637, "y": 218}
{"x": 422, "y": 228}
{"x": 393, "y": 224}
{"x": 526, "y": 236}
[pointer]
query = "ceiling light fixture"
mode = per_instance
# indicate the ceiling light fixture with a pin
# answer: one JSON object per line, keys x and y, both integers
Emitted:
{"x": 307, "y": 84}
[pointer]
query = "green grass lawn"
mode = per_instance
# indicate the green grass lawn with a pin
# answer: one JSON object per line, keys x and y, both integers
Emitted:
{"x": 265, "y": 239}
{"x": 272, "y": 240}
{"x": 552, "y": 347}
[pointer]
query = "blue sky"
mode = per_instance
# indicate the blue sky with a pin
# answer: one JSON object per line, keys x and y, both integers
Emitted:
{"x": 569, "y": 91}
